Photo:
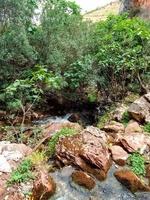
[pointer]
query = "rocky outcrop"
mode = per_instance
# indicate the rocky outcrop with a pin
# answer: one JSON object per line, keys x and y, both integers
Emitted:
{"x": 140, "y": 109}
{"x": 131, "y": 181}
{"x": 119, "y": 155}
{"x": 87, "y": 151}
{"x": 137, "y": 8}
{"x": 83, "y": 179}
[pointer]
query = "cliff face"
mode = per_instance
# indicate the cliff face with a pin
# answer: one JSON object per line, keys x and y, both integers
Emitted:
{"x": 102, "y": 13}
{"x": 139, "y": 8}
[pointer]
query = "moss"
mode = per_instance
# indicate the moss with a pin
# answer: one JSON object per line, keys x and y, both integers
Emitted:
{"x": 103, "y": 120}
{"x": 64, "y": 132}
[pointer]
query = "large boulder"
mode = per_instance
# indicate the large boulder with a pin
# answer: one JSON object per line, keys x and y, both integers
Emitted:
{"x": 86, "y": 150}
{"x": 140, "y": 109}
{"x": 131, "y": 181}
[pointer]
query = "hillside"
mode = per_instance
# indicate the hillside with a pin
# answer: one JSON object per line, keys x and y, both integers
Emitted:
{"x": 103, "y": 12}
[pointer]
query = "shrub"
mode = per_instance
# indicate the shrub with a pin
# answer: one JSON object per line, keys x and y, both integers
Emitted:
{"x": 121, "y": 50}
{"x": 62, "y": 133}
{"x": 137, "y": 164}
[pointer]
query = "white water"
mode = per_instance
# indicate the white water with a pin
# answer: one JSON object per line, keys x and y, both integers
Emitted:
{"x": 53, "y": 119}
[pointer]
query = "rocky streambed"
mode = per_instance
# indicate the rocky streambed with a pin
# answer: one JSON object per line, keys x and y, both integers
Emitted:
{"x": 90, "y": 165}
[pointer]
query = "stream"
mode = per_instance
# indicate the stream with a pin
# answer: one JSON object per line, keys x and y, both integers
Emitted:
{"x": 110, "y": 189}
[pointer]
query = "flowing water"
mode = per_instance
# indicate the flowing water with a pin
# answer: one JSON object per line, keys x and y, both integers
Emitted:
{"x": 110, "y": 189}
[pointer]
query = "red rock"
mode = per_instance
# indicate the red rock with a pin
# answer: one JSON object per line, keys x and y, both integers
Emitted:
{"x": 55, "y": 127}
{"x": 131, "y": 181}
{"x": 140, "y": 110}
{"x": 114, "y": 127}
{"x": 44, "y": 187}
{"x": 83, "y": 179}
{"x": 86, "y": 151}
{"x": 133, "y": 127}
{"x": 119, "y": 155}
{"x": 133, "y": 142}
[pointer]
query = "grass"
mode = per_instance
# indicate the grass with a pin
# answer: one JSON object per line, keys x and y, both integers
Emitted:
{"x": 137, "y": 163}
{"x": 62, "y": 133}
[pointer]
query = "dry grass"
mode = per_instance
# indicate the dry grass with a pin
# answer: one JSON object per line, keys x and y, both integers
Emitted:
{"x": 102, "y": 13}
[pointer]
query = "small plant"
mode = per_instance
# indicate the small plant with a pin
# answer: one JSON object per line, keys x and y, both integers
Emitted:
{"x": 137, "y": 163}
{"x": 147, "y": 127}
{"x": 62, "y": 133}
{"x": 22, "y": 173}
{"x": 125, "y": 118}
{"x": 38, "y": 158}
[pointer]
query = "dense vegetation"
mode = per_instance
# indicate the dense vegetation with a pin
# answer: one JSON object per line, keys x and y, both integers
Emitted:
{"x": 56, "y": 52}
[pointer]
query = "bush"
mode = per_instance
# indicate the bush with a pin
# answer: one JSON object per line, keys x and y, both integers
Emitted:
{"x": 121, "y": 51}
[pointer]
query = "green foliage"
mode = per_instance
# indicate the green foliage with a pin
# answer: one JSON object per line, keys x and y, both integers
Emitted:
{"x": 121, "y": 50}
{"x": 92, "y": 97}
{"x": 64, "y": 132}
{"x": 22, "y": 173}
{"x": 64, "y": 35}
{"x": 76, "y": 75}
{"x": 147, "y": 127}
{"x": 137, "y": 164}
{"x": 125, "y": 118}
{"x": 29, "y": 90}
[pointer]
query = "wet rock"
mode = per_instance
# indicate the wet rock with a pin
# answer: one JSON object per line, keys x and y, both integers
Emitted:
{"x": 44, "y": 187}
{"x": 75, "y": 117}
{"x": 114, "y": 127}
{"x": 131, "y": 181}
{"x": 140, "y": 109}
{"x": 83, "y": 179}
{"x": 133, "y": 127}
{"x": 119, "y": 155}
{"x": 133, "y": 142}
{"x": 87, "y": 151}
{"x": 143, "y": 196}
